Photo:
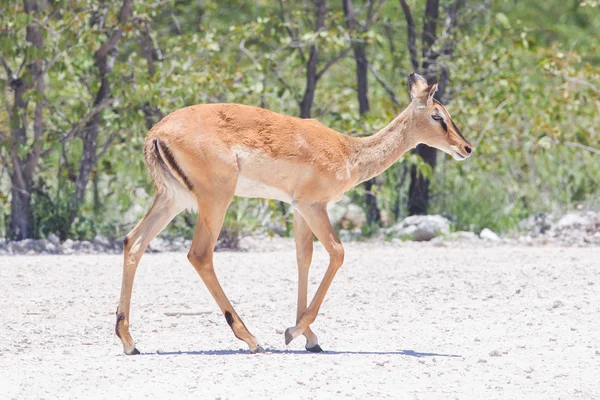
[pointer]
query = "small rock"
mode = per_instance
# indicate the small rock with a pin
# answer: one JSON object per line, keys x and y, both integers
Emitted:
{"x": 102, "y": 242}
{"x": 557, "y": 304}
{"x": 51, "y": 248}
{"x": 40, "y": 244}
{"x": 55, "y": 240}
{"x": 350, "y": 235}
{"x": 482, "y": 361}
{"x": 85, "y": 246}
{"x": 277, "y": 228}
{"x": 537, "y": 224}
{"x": 355, "y": 216}
{"x": 420, "y": 227}
{"x": 495, "y": 353}
{"x": 488, "y": 234}
{"x": 457, "y": 236}
{"x": 346, "y": 215}
{"x": 577, "y": 220}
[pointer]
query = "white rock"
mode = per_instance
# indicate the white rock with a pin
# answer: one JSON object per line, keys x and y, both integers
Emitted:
{"x": 346, "y": 215}
{"x": 102, "y": 241}
{"x": 54, "y": 239}
{"x": 488, "y": 234}
{"x": 537, "y": 224}
{"x": 420, "y": 227}
{"x": 461, "y": 235}
{"x": 276, "y": 227}
{"x": 51, "y": 248}
{"x": 336, "y": 212}
{"x": 355, "y": 216}
{"x": 579, "y": 220}
{"x": 350, "y": 235}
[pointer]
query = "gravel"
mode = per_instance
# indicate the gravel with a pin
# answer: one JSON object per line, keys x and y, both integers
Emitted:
{"x": 402, "y": 320}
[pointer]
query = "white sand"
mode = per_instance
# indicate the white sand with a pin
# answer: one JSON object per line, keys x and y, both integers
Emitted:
{"x": 398, "y": 322}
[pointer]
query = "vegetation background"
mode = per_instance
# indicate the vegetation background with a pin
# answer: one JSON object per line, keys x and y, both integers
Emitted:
{"x": 81, "y": 83}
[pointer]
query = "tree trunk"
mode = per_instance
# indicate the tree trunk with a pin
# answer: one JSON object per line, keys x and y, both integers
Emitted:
{"x": 418, "y": 194}
{"x": 418, "y": 191}
{"x": 311, "y": 67}
{"x": 362, "y": 86}
{"x": 21, "y": 217}
{"x": 373, "y": 212}
{"x": 105, "y": 57}
{"x": 21, "y": 224}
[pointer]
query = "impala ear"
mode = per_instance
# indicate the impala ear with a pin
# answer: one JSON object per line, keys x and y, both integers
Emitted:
{"x": 432, "y": 89}
{"x": 416, "y": 85}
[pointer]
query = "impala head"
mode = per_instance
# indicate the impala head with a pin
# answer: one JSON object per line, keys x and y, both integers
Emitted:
{"x": 433, "y": 122}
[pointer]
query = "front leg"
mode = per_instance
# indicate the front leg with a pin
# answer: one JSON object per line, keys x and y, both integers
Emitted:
{"x": 304, "y": 251}
{"x": 315, "y": 215}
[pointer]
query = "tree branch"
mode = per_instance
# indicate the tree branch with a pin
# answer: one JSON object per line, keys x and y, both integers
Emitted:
{"x": 106, "y": 145}
{"x": 9, "y": 73}
{"x": 290, "y": 32}
{"x": 385, "y": 86}
{"x": 95, "y": 110}
{"x": 273, "y": 70}
{"x": 412, "y": 35}
{"x": 286, "y": 85}
{"x": 112, "y": 42}
{"x": 578, "y": 146}
{"x": 577, "y": 81}
{"x": 372, "y": 14}
{"x": 332, "y": 61}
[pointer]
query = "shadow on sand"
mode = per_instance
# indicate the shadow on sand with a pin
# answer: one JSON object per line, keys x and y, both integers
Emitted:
{"x": 409, "y": 353}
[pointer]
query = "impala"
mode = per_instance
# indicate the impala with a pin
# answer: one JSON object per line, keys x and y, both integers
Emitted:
{"x": 201, "y": 156}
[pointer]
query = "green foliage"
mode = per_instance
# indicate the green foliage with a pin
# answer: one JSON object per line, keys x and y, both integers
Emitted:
{"x": 523, "y": 88}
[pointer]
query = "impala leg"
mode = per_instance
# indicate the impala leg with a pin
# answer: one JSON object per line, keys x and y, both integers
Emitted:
{"x": 211, "y": 213}
{"x": 135, "y": 243}
{"x": 304, "y": 251}
{"x": 316, "y": 216}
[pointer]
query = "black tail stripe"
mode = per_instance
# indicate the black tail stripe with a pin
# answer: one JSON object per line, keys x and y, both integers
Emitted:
{"x": 173, "y": 164}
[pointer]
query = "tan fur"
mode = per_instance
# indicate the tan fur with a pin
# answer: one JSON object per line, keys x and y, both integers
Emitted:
{"x": 203, "y": 155}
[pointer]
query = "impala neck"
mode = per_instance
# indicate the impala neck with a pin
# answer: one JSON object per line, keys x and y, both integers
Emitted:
{"x": 376, "y": 153}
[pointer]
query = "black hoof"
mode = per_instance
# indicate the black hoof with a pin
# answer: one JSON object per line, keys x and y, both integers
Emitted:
{"x": 134, "y": 352}
{"x": 259, "y": 349}
{"x": 288, "y": 336}
{"x": 315, "y": 349}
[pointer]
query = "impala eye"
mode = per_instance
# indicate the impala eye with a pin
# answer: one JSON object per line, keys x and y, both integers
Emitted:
{"x": 437, "y": 118}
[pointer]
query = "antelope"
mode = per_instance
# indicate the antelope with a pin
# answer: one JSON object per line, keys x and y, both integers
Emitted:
{"x": 201, "y": 156}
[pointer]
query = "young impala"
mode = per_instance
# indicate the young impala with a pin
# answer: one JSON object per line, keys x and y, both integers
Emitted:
{"x": 201, "y": 156}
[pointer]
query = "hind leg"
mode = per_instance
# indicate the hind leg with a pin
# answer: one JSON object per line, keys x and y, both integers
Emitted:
{"x": 211, "y": 213}
{"x": 163, "y": 210}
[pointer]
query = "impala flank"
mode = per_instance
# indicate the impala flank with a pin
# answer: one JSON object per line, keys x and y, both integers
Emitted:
{"x": 201, "y": 156}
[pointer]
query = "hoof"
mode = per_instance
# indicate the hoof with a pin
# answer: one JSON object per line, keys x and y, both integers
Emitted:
{"x": 315, "y": 349}
{"x": 288, "y": 336}
{"x": 134, "y": 352}
{"x": 258, "y": 349}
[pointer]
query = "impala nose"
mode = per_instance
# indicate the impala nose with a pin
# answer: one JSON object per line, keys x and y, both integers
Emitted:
{"x": 468, "y": 149}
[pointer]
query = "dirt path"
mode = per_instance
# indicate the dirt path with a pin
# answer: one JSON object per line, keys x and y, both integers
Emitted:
{"x": 399, "y": 322}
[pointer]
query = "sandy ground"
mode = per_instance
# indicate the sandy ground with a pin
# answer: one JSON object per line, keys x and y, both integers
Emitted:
{"x": 399, "y": 322}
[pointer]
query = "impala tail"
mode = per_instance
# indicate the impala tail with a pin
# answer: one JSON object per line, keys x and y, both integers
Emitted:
{"x": 167, "y": 174}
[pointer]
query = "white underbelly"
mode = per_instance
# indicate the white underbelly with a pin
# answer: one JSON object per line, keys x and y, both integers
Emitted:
{"x": 249, "y": 188}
